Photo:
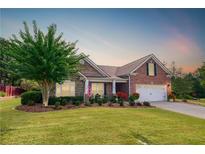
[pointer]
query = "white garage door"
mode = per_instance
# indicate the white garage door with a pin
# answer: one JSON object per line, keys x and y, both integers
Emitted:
{"x": 151, "y": 92}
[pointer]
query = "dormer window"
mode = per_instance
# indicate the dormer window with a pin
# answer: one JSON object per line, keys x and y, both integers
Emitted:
{"x": 151, "y": 69}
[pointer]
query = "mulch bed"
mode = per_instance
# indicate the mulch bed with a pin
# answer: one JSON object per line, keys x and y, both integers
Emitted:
{"x": 41, "y": 108}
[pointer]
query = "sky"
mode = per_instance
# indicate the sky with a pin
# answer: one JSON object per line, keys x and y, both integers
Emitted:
{"x": 118, "y": 36}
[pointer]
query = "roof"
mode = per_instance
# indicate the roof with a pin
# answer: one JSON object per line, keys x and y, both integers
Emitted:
{"x": 117, "y": 71}
{"x": 126, "y": 69}
{"x": 111, "y": 70}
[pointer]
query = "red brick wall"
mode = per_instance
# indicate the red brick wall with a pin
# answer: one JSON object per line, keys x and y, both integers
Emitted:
{"x": 142, "y": 78}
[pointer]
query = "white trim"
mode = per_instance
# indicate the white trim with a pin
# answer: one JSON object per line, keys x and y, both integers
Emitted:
{"x": 156, "y": 60}
{"x": 107, "y": 80}
{"x": 113, "y": 87}
{"x": 86, "y": 87}
{"x": 129, "y": 86}
{"x": 82, "y": 75}
{"x": 162, "y": 66}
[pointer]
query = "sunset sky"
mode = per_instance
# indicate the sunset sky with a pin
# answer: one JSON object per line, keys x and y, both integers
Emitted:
{"x": 118, "y": 36}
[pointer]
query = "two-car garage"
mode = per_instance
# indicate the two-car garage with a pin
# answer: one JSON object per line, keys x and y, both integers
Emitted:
{"x": 151, "y": 92}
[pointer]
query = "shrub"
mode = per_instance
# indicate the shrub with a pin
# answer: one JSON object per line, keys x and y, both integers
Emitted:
{"x": 52, "y": 100}
{"x": 131, "y": 101}
{"x": 2, "y": 94}
{"x": 29, "y": 85}
{"x": 136, "y": 96}
{"x": 146, "y": 103}
{"x": 100, "y": 101}
{"x": 97, "y": 98}
{"x": 171, "y": 96}
{"x": 105, "y": 99}
{"x": 77, "y": 103}
{"x": 188, "y": 97}
{"x": 122, "y": 95}
{"x": 34, "y": 96}
{"x": 75, "y": 98}
{"x": 113, "y": 99}
{"x": 121, "y": 101}
{"x": 65, "y": 99}
{"x": 57, "y": 105}
{"x": 63, "y": 102}
{"x": 30, "y": 103}
{"x": 92, "y": 100}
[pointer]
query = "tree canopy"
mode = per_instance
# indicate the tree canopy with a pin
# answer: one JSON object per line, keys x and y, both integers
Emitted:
{"x": 201, "y": 74}
{"x": 42, "y": 57}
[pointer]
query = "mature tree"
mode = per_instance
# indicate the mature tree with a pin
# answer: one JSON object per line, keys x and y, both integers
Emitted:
{"x": 29, "y": 85}
{"x": 182, "y": 86}
{"x": 3, "y": 58}
{"x": 43, "y": 57}
{"x": 6, "y": 77}
{"x": 201, "y": 74}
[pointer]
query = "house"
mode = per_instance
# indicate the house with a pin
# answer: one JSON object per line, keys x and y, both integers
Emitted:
{"x": 147, "y": 76}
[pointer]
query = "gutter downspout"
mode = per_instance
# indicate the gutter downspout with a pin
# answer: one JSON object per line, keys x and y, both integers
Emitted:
{"x": 129, "y": 85}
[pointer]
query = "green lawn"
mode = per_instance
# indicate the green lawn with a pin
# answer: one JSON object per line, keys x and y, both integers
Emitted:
{"x": 99, "y": 126}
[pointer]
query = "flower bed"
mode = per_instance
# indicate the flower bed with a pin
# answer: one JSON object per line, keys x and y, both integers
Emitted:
{"x": 40, "y": 108}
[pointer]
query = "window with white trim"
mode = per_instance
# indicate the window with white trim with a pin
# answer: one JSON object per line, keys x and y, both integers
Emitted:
{"x": 65, "y": 89}
{"x": 97, "y": 88}
{"x": 151, "y": 69}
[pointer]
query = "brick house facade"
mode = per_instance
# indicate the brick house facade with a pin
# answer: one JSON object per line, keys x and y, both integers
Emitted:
{"x": 141, "y": 77}
{"x": 130, "y": 78}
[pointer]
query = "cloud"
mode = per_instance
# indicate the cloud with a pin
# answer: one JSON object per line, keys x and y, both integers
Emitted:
{"x": 181, "y": 43}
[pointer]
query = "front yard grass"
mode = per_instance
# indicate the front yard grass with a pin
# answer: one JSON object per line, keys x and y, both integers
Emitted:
{"x": 98, "y": 125}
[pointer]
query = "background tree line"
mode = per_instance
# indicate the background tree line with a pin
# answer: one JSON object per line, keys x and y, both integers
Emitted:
{"x": 187, "y": 86}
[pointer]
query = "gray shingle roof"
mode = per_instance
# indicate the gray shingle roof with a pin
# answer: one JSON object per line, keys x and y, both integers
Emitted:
{"x": 126, "y": 69}
{"x": 115, "y": 71}
{"x": 111, "y": 70}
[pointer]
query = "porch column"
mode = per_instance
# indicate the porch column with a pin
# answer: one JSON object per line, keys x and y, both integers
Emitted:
{"x": 86, "y": 86}
{"x": 113, "y": 87}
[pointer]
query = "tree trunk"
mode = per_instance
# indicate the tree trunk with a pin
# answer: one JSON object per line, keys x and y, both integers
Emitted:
{"x": 46, "y": 87}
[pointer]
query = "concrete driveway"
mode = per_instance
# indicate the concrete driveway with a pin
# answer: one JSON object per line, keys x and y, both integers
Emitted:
{"x": 188, "y": 109}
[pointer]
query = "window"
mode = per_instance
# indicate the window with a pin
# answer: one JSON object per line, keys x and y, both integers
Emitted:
{"x": 151, "y": 69}
{"x": 65, "y": 89}
{"x": 97, "y": 88}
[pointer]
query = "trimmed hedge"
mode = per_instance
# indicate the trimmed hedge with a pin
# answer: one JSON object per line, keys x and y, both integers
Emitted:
{"x": 36, "y": 97}
{"x": 65, "y": 100}
{"x": 31, "y": 96}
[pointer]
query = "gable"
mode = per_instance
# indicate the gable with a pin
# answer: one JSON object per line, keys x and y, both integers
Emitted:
{"x": 89, "y": 71}
{"x": 155, "y": 60}
{"x": 143, "y": 69}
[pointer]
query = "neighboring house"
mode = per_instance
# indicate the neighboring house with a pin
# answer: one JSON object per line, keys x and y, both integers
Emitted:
{"x": 147, "y": 76}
